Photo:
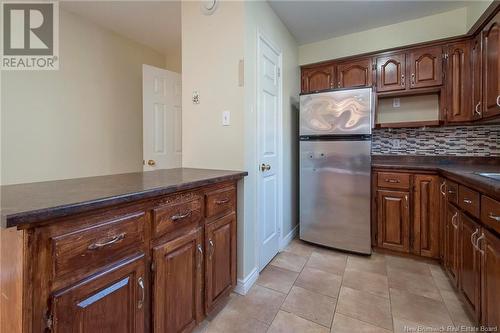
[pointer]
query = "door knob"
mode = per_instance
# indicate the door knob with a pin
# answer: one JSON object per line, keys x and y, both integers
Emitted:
{"x": 151, "y": 163}
{"x": 265, "y": 167}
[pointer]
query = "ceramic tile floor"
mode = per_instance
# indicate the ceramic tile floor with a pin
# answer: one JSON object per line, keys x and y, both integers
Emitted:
{"x": 309, "y": 289}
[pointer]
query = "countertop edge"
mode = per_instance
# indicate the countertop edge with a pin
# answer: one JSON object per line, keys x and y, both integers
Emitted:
{"x": 29, "y": 218}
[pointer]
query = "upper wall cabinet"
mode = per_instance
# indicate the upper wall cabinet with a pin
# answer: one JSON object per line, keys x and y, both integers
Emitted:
{"x": 391, "y": 72}
{"x": 355, "y": 74}
{"x": 426, "y": 67}
{"x": 458, "y": 93}
{"x": 318, "y": 78}
{"x": 476, "y": 76}
{"x": 491, "y": 67}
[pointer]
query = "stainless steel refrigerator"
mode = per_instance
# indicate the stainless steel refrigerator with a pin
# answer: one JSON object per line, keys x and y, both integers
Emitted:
{"x": 335, "y": 168}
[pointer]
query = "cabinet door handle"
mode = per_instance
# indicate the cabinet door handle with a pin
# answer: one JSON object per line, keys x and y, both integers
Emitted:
{"x": 412, "y": 79}
{"x": 338, "y": 84}
{"x": 467, "y": 201}
{"x": 406, "y": 199}
{"x": 494, "y": 217}
{"x": 442, "y": 188}
{"x": 451, "y": 192}
{"x": 200, "y": 249}
{"x": 498, "y": 100}
{"x": 180, "y": 216}
{"x": 402, "y": 80}
{"x": 476, "y": 109}
{"x": 393, "y": 181}
{"x": 212, "y": 248}
{"x": 221, "y": 202}
{"x": 477, "y": 243}
{"x": 108, "y": 241}
{"x": 453, "y": 220}
{"x": 140, "y": 282}
{"x": 472, "y": 238}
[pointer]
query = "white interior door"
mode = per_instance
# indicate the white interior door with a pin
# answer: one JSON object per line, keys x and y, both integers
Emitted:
{"x": 161, "y": 98}
{"x": 268, "y": 140}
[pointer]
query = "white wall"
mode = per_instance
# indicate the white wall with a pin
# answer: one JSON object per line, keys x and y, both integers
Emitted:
{"x": 82, "y": 120}
{"x": 260, "y": 17}
{"x": 173, "y": 61}
{"x": 423, "y": 29}
{"x": 474, "y": 11}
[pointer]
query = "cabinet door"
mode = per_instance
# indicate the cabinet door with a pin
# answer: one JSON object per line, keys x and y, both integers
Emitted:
{"x": 426, "y": 216}
{"x": 451, "y": 242}
{"x": 355, "y": 74}
{"x": 318, "y": 78}
{"x": 391, "y": 72}
{"x": 393, "y": 216}
{"x": 476, "y": 76}
{"x": 111, "y": 301}
{"x": 490, "y": 278}
{"x": 491, "y": 67}
{"x": 458, "y": 86}
{"x": 220, "y": 275}
{"x": 470, "y": 273}
{"x": 177, "y": 292}
{"x": 442, "y": 216}
{"x": 426, "y": 67}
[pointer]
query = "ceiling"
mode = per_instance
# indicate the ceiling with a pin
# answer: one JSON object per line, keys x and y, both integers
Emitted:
{"x": 156, "y": 24}
{"x": 311, "y": 21}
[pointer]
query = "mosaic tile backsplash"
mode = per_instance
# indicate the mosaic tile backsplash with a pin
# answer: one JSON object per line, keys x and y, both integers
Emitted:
{"x": 481, "y": 140}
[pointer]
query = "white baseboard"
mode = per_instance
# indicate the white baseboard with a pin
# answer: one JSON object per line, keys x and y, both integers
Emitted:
{"x": 288, "y": 238}
{"x": 244, "y": 285}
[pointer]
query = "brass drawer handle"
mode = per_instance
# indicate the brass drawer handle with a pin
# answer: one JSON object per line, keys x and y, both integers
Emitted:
{"x": 221, "y": 202}
{"x": 494, "y": 217}
{"x": 393, "y": 181}
{"x": 180, "y": 216}
{"x": 99, "y": 244}
{"x": 467, "y": 201}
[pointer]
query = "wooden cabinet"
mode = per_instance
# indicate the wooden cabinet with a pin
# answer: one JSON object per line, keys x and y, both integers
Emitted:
{"x": 490, "y": 279}
{"x": 491, "y": 67}
{"x": 178, "y": 277}
{"x": 220, "y": 260}
{"x": 476, "y": 76}
{"x": 111, "y": 301}
{"x": 470, "y": 272}
{"x": 426, "y": 216}
{"x": 451, "y": 259}
{"x": 318, "y": 78}
{"x": 391, "y": 71}
{"x": 393, "y": 218}
{"x": 356, "y": 73}
{"x": 458, "y": 93}
{"x": 442, "y": 216}
{"x": 426, "y": 67}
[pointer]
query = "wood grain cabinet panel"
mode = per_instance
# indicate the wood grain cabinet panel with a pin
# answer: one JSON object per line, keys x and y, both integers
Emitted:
{"x": 220, "y": 201}
{"x": 426, "y": 67}
{"x": 393, "y": 180}
{"x": 426, "y": 216}
{"x": 442, "y": 216}
{"x": 469, "y": 200}
{"x": 355, "y": 74}
{"x": 451, "y": 242}
{"x": 177, "y": 294}
{"x": 476, "y": 84}
{"x": 393, "y": 216}
{"x": 490, "y": 212}
{"x": 112, "y": 301}
{"x": 318, "y": 78}
{"x": 178, "y": 211}
{"x": 391, "y": 72}
{"x": 491, "y": 67}
{"x": 470, "y": 272}
{"x": 458, "y": 91}
{"x": 490, "y": 280}
{"x": 220, "y": 260}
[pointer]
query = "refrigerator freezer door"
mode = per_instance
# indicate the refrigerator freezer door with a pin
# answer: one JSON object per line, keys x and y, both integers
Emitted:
{"x": 335, "y": 194}
{"x": 336, "y": 112}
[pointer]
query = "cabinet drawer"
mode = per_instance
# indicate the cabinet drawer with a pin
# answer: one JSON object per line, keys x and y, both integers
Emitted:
{"x": 221, "y": 201}
{"x": 393, "y": 180}
{"x": 176, "y": 212}
{"x": 468, "y": 200}
{"x": 86, "y": 250}
{"x": 452, "y": 192}
{"x": 490, "y": 212}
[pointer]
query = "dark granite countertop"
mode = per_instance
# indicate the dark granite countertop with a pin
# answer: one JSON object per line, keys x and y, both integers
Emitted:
{"x": 25, "y": 204}
{"x": 462, "y": 170}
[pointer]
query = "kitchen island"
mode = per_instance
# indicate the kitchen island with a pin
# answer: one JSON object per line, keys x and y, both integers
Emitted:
{"x": 133, "y": 252}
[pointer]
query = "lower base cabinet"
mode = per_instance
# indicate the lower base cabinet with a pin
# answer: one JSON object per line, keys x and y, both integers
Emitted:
{"x": 393, "y": 218}
{"x": 490, "y": 279}
{"x": 119, "y": 291}
{"x": 177, "y": 286}
{"x": 470, "y": 262}
{"x": 451, "y": 243}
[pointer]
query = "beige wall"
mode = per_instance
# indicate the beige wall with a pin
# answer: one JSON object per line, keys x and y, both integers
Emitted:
{"x": 412, "y": 108}
{"x": 474, "y": 11}
{"x": 423, "y": 29}
{"x": 173, "y": 61}
{"x": 82, "y": 120}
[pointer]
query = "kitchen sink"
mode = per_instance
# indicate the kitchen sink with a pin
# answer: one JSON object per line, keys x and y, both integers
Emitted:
{"x": 492, "y": 175}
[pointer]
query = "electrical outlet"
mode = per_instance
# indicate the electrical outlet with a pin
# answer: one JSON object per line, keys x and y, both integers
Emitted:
{"x": 226, "y": 118}
{"x": 396, "y": 102}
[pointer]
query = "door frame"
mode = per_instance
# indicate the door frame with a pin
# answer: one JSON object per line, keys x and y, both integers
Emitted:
{"x": 262, "y": 38}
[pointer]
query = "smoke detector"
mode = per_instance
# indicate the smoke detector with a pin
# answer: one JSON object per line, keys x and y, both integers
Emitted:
{"x": 208, "y": 7}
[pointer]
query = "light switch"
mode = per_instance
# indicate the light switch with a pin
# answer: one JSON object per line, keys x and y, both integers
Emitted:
{"x": 226, "y": 118}
{"x": 396, "y": 102}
